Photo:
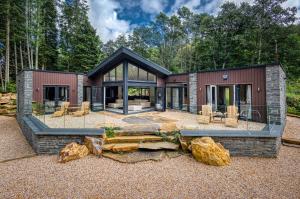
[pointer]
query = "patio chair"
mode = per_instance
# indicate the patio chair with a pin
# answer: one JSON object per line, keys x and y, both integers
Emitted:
{"x": 232, "y": 116}
{"x": 205, "y": 115}
{"x": 84, "y": 110}
{"x": 232, "y": 112}
{"x": 63, "y": 109}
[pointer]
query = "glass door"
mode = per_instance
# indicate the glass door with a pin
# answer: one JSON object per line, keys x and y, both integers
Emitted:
{"x": 213, "y": 96}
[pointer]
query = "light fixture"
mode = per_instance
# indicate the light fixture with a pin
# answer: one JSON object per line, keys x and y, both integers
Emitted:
{"x": 258, "y": 89}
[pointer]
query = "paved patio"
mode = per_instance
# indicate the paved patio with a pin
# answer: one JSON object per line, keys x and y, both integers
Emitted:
{"x": 148, "y": 120}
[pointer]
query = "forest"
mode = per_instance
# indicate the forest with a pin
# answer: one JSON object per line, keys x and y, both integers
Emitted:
{"x": 57, "y": 35}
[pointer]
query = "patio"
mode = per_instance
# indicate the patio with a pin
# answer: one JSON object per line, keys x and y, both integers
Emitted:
{"x": 144, "y": 121}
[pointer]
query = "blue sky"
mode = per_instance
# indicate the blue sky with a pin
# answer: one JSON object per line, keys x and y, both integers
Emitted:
{"x": 114, "y": 17}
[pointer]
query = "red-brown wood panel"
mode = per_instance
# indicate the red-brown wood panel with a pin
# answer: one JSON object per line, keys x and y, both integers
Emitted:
{"x": 178, "y": 78}
{"x": 41, "y": 79}
{"x": 254, "y": 76}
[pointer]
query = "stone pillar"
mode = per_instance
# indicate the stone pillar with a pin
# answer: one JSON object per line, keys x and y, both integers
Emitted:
{"x": 275, "y": 94}
{"x": 24, "y": 94}
{"x": 79, "y": 89}
{"x": 193, "y": 92}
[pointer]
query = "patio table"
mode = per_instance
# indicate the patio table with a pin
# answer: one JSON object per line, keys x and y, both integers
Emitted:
{"x": 218, "y": 114}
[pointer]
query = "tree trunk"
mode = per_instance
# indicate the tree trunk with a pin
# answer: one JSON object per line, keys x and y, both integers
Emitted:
{"x": 1, "y": 77}
{"x": 21, "y": 56}
{"x": 37, "y": 37}
{"x": 27, "y": 35}
{"x": 16, "y": 59}
{"x": 7, "y": 49}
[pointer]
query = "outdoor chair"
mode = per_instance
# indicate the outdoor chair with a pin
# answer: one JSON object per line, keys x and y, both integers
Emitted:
{"x": 232, "y": 116}
{"x": 206, "y": 114}
{"x": 84, "y": 110}
{"x": 63, "y": 109}
{"x": 232, "y": 112}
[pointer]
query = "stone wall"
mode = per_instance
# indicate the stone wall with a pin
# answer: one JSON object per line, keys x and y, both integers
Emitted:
{"x": 24, "y": 94}
{"x": 79, "y": 89}
{"x": 44, "y": 140}
{"x": 248, "y": 146}
{"x": 193, "y": 92}
{"x": 276, "y": 94}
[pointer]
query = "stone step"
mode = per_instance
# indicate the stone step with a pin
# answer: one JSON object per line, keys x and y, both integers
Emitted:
{"x": 123, "y": 147}
{"x": 130, "y": 147}
{"x": 159, "y": 146}
{"x": 133, "y": 139}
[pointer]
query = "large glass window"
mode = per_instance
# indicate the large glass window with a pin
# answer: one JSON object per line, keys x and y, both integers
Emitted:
{"x": 142, "y": 75}
{"x": 133, "y": 72}
{"x": 151, "y": 77}
{"x": 119, "y": 72}
{"x": 56, "y": 94}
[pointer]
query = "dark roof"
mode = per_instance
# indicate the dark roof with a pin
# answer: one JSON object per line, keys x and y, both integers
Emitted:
{"x": 124, "y": 53}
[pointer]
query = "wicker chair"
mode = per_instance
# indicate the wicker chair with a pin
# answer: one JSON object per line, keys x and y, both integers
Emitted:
{"x": 84, "y": 110}
{"x": 63, "y": 109}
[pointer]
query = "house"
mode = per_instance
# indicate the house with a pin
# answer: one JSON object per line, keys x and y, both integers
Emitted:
{"x": 128, "y": 83}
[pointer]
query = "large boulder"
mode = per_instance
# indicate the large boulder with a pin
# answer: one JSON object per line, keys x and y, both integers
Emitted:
{"x": 72, "y": 151}
{"x": 207, "y": 151}
{"x": 94, "y": 145}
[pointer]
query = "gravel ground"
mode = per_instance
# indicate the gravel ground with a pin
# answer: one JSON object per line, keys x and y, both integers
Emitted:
{"x": 181, "y": 177}
{"x": 98, "y": 119}
{"x": 292, "y": 128}
{"x": 12, "y": 142}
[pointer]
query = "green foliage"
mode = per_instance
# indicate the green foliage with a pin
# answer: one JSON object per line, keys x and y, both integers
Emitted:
{"x": 110, "y": 131}
{"x": 11, "y": 88}
{"x": 293, "y": 97}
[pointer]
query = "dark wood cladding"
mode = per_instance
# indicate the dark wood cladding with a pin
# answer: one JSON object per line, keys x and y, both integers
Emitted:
{"x": 180, "y": 78}
{"x": 254, "y": 76}
{"x": 93, "y": 81}
{"x": 41, "y": 79}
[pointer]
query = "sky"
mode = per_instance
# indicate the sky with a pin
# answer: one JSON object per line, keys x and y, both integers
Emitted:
{"x": 114, "y": 17}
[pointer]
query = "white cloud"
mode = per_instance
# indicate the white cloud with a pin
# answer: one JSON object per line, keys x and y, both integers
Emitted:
{"x": 153, "y": 6}
{"x": 103, "y": 17}
{"x": 214, "y": 6}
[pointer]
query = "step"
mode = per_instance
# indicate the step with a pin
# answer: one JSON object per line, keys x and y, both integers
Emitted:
{"x": 133, "y": 139}
{"x": 123, "y": 147}
{"x": 159, "y": 146}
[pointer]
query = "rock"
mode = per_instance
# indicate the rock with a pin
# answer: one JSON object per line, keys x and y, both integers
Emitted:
{"x": 122, "y": 147}
{"x": 13, "y": 96}
{"x": 94, "y": 145}
{"x": 10, "y": 107}
{"x": 207, "y": 151}
{"x": 158, "y": 146}
{"x": 133, "y": 139}
{"x": 139, "y": 156}
{"x": 72, "y": 151}
{"x": 3, "y": 111}
{"x": 4, "y": 100}
{"x": 168, "y": 127}
{"x": 184, "y": 145}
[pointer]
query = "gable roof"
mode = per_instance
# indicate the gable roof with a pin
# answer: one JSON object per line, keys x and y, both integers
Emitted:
{"x": 124, "y": 53}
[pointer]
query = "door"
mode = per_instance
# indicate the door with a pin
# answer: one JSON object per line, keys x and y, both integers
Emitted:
{"x": 175, "y": 98}
{"x": 213, "y": 96}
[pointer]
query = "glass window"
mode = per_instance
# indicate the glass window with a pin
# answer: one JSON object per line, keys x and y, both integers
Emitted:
{"x": 62, "y": 93}
{"x": 119, "y": 72}
{"x": 142, "y": 75}
{"x": 112, "y": 75}
{"x": 106, "y": 77}
{"x": 132, "y": 72}
{"x": 49, "y": 93}
{"x": 151, "y": 77}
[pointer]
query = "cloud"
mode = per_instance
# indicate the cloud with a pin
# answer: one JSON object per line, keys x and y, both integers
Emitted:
{"x": 153, "y": 6}
{"x": 104, "y": 17}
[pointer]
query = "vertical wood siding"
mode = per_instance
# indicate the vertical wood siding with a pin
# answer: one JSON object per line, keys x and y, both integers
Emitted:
{"x": 254, "y": 76}
{"x": 180, "y": 78}
{"x": 41, "y": 79}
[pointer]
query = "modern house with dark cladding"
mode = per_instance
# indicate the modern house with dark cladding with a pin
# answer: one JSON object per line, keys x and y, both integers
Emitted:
{"x": 128, "y": 83}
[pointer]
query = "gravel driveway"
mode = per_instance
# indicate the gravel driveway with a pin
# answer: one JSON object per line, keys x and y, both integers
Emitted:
{"x": 181, "y": 177}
